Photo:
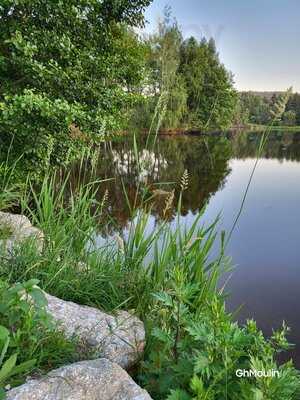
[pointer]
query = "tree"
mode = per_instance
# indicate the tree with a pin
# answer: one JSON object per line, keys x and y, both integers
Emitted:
{"x": 294, "y": 105}
{"x": 211, "y": 96}
{"x": 289, "y": 118}
{"x": 166, "y": 92}
{"x": 257, "y": 107}
{"x": 196, "y": 88}
{"x": 71, "y": 57}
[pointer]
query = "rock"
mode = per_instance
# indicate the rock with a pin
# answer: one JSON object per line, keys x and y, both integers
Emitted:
{"x": 87, "y": 380}
{"x": 120, "y": 338}
{"x": 16, "y": 229}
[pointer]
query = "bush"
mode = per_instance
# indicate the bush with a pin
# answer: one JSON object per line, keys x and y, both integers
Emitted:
{"x": 38, "y": 131}
{"x": 194, "y": 353}
{"x": 29, "y": 340}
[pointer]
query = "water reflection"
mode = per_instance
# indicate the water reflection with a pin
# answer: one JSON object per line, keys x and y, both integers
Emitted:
{"x": 281, "y": 146}
{"x": 206, "y": 158}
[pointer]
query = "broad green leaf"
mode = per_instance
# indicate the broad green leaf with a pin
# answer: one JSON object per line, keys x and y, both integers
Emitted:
{"x": 7, "y": 367}
{"x": 23, "y": 367}
{"x": 4, "y": 333}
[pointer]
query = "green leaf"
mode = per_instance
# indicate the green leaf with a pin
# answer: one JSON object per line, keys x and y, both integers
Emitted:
{"x": 38, "y": 297}
{"x": 201, "y": 363}
{"x": 164, "y": 298}
{"x": 4, "y": 349}
{"x": 31, "y": 283}
{"x": 198, "y": 387}
{"x": 4, "y": 333}
{"x": 23, "y": 367}
{"x": 8, "y": 367}
{"x": 179, "y": 394}
{"x": 161, "y": 335}
{"x": 258, "y": 394}
{"x": 2, "y": 394}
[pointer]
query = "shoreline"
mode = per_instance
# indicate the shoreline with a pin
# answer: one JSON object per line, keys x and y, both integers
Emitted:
{"x": 232, "y": 130}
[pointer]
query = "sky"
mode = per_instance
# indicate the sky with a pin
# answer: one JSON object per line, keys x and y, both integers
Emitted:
{"x": 257, "y": 40}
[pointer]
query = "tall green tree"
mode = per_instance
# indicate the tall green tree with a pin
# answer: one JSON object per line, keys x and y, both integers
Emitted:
{"x": 294, "y": 105}
{"x": 196, "y": 88}
{"x": 289, "y": 118}
{"x": 65, "y": 63}
{"x": 164, "y": 87}
{"x": 257, "y": 107}
{"x": 211, "y": 96}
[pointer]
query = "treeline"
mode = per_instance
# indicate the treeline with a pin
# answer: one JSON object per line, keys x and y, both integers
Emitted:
{"x": 187, "y": 80}
{"x": 255, "y": 108}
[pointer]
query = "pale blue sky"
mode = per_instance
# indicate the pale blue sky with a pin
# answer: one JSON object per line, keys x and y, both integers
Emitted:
{"x": 258, "y": 40}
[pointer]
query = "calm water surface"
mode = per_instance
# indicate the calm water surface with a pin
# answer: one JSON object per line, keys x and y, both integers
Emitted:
{"x": 265, "y": 247}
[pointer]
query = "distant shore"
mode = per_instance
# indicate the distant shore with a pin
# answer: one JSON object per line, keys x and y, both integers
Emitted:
{"x": 199, "y": 132}
{"x": 279, "y": 128}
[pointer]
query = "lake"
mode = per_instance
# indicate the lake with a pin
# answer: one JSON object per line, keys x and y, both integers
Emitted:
{"x": 265, "y": 246}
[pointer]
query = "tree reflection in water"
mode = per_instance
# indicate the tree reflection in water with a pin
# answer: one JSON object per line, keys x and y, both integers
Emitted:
{"x": 206, "y": 158}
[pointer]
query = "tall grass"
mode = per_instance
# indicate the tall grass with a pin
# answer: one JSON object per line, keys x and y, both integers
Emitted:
{"x": 10, "y": 191}
{"x": 122, "y": 273}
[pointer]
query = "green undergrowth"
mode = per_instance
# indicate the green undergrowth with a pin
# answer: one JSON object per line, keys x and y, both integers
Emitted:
{"x": 30, "y": 342}
{"x": 169, "y": 277}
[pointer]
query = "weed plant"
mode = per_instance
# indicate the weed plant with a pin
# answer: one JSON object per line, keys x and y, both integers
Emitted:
{"x": 30, "y": 343}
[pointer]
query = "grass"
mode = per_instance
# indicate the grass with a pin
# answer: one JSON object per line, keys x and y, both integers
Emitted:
{"x": 10, "y": 191}
{"x": 5, "y": 232}
{"x": 122, "y": 273}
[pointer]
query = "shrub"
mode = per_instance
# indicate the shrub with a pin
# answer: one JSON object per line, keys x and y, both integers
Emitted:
{"x": 37, "y": 131}
{"x": 194, "y": 353}
{"x": 29, "y": 340}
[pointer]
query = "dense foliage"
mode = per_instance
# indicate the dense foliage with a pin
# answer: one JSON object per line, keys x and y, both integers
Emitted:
{"x": 256, "y": 108}
{"x": 211, "y": 97}
{"x": 195, "y": 88}
{"x": 76, "y": 71}
{"x": 29, "y": 341}
{"x": 293, "y": 109}
{"x": 65, "y": 65}
{"x": 196, "y": 351}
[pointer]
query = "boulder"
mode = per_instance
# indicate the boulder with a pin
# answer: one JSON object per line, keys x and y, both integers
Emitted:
{"x": 15, "y": 229}
{"x": 119, "y": 338}
{"x": 87, "y": 380}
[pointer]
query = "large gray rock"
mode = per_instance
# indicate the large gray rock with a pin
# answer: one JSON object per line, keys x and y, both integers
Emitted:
{"x": 15, "y": 229}
{"x": 87, "y": 380}
{"x": 120, "y": 338}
